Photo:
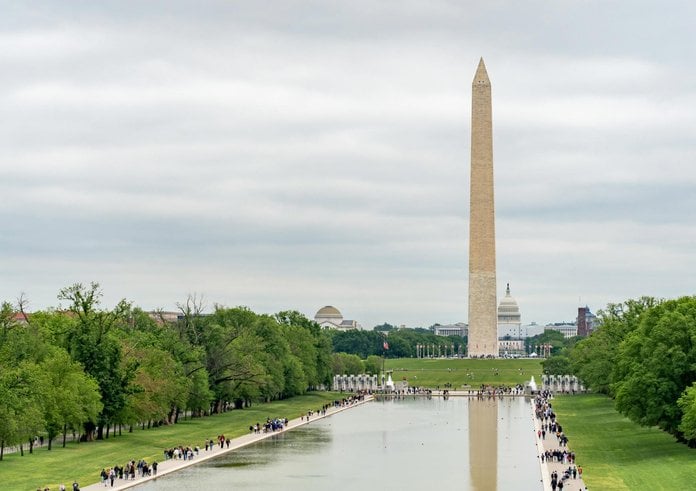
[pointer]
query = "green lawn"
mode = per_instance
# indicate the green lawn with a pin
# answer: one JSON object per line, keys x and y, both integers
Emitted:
{"x": 84, "y": 461}
{"x": 426, "y": 372}
{"x": 617, "y": 454}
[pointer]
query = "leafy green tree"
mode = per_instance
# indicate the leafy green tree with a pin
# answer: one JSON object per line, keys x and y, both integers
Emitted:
{"x": 69, "y": 397}
{"x": 656, "y": 363}
{"x": 687, "y": 406}
{"x": 189, "y": 359}
{"x": 557, "y": 365}
{"x": 347, "y": 364}
{"x": 309, "y": 344}
{"x": 8, "y": 408}
{"x": 199, "y": 396}
{"x": 237, "y": 358}
{"x": 158, "y": 385}
{"x": 399, "y": 345}
{"x": 21, "y": 392}
{"x": 373, "y": 365}
{"x": 594, "y": 358}
{"x": 358, "y": 342}
{"x": 94, "y": 342}
{"x": 549, "y": 336}
{"x": 386, "y": 327}
{"x": 7, "y": 319}
{"x": 21, "y": 417}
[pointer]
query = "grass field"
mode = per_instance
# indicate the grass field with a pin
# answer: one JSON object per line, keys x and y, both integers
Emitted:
{"x": 617, "y": 454}
{"x": 462, "y": 372}
{"x": 84, "y": 461}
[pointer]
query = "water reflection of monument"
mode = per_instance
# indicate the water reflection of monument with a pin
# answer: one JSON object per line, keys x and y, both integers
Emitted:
{"x": 483, "y": 444}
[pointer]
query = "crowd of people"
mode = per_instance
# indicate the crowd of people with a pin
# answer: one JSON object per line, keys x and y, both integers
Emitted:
{"x": 131, "y": 470}
{"x": 181, "y": 452}
{"x": 549, "y": 426}
{"x": 503, "y": 390}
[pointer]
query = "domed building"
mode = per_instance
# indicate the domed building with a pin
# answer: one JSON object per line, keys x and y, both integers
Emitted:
{"x": 329, "y": 317}
{"x": 509, "y": 325}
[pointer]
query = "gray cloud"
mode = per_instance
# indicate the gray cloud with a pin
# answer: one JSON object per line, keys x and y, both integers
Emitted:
{"x": 297, "y": 154}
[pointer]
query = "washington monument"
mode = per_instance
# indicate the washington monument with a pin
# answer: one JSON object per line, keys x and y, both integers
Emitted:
{"x": 483, "y": 320}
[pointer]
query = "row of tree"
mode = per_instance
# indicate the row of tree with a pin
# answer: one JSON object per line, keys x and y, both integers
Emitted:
{"x": 644, "y": 356}
{"x": 91, "y": 370}
{"x": 88, "y": 370}
{"x": 401, "y": 343}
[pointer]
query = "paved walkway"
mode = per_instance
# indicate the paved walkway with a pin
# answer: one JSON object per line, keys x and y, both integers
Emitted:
{"x": 551, "y": 443}
{"x": 172, "y": 465}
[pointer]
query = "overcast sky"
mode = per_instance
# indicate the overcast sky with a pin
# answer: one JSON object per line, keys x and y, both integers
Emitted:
{"x": 291, "y": 155}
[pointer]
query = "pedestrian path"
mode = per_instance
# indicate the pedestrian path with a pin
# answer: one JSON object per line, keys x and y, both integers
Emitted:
{"x": 552, "y": 443}
{"x": 173, "y": 465}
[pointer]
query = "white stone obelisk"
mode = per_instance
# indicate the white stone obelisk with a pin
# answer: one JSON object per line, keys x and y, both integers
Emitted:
{"x": 483, "y": 320}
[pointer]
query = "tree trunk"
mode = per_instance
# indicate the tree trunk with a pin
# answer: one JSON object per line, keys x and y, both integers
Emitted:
{"x": 21, "y": 450}
{"x": 50, "y": 441}
{"x": 130, "y": 429}
{"x": 2, "y": 448}
{"x": 31, "y": 445}
{"x": 65, "y": 432}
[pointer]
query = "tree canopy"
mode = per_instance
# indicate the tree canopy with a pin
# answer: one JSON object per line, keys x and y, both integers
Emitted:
{"x": 644, "y": 356}
{"x": 88, "y": 369}
{"x": 402, "y": 343}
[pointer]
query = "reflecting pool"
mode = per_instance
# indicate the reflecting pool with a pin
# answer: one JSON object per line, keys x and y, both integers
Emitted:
{"x": 412, "y": 443}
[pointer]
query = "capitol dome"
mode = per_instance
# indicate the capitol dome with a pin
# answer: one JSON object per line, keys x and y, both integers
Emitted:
{"x": 508, "y": 310}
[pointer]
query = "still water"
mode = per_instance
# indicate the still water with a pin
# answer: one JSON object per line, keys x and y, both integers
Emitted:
{"x": 409, "y": 444}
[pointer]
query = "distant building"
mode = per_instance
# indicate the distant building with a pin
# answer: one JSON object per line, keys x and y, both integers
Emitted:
{"x": 567, "y": 329}
{"x": 531, "y": 330}
{"x": 509, "y": 317}
{"x": 586, "y": 321}
{"x": 510, "y": 333}
{"x": 330, "y": 317}
{"x": 511, "y": 347}
{"x": 458, "y": 329}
